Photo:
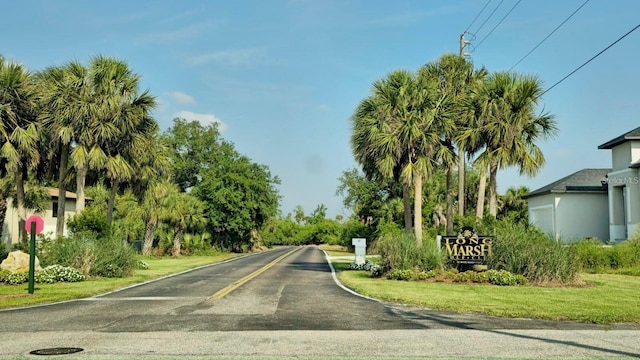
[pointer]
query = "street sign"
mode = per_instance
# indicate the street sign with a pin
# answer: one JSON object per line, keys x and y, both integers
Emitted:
{"x": 39, "y": 224}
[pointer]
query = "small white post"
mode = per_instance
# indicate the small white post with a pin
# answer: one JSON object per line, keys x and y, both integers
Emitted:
{"x": 361, "y": 250}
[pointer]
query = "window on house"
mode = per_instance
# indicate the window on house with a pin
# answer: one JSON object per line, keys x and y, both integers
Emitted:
{"x": 55, "y": 209}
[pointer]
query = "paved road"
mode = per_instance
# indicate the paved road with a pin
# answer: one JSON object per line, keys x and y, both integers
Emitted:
{"x": 292, "y": 308}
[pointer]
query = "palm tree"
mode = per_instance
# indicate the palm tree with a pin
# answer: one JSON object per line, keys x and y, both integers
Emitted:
{"x": 396, "y": 134}
{"x": 20, "y": 130}
{"x": 153, "y": 203}
{"x": 64, "y": 95}
{"x": 186, "y": 212}
{"x": 510, "y": 128}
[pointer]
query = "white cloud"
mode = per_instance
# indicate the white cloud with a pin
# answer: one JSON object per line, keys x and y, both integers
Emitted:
{"x": 323, "y": 107}
{"x": 182, "y": 98}
{"x": 204, "y": 119}
{"x": 230, "y": 57}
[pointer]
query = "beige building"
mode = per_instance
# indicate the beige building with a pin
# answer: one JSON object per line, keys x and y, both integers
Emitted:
{"x": 624, "y": 184}
{"x": 50, "y": 215}
{"x": 594, "y": 203}
{"x": 572, "y": 208}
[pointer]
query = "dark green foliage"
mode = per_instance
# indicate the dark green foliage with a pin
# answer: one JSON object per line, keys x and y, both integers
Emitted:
{"x": 595, "y": 256}
{"x": 3, "y": 251}
{"x": 91, "y": 222}
{"x": 529, "y": 252}
{"x": 505, "y": 278}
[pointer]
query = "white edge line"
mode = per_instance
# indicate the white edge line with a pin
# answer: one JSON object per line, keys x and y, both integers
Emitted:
{"x": 335, "y": 278}
{"x": 124, "y": 288}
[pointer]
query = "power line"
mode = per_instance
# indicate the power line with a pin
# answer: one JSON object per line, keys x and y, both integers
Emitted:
{"x": 588, "y": 61}
{"x": 551, "y": 33}
{"x": 498, "y": 24}
{"x": 490, "y": 15}
{"x": 476, "y": 18}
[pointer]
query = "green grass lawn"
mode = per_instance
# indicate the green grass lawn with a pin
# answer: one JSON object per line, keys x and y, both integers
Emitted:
{"x": 607, "y": 299}
{"x": 17, "y": 295}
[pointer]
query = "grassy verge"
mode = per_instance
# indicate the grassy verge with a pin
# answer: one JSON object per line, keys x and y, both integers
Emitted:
{"x": 608, "y": 298}
{"x": 17, "y": 295}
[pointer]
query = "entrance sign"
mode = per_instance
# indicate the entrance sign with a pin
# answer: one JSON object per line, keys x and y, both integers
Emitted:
{"x": 467, "y": 247}
{"x": 34, "y": 219}
{"x": 361, "y": 250}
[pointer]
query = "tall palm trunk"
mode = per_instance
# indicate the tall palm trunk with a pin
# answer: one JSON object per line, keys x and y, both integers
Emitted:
{"x": 493, "y": 189}
{"x": 80, "y": 181}
{"x": 417, "y": 208}
{"x": 3, "y": 213}
{"x": 482, "y": 185}
{"x": 449, "y": 199}
{"x": 176, "y": 241}
{"x": 461, "y": 181}
{"x": 406, "y": 201}
{"x": 62, "y": 189}
{"x": 22, "y": 211}
{"x": 149, "y": 229}
{"x": 112, "y": 200}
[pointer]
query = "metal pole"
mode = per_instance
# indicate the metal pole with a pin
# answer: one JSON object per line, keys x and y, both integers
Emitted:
{"x": 32, "y": 256}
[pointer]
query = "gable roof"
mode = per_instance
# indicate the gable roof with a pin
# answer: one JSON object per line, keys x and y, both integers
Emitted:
{"x": 582, "y": 181}
{"x": 631, "y": 135}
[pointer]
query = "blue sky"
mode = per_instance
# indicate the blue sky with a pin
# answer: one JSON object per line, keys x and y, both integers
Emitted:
{"x": 284, "y": 76}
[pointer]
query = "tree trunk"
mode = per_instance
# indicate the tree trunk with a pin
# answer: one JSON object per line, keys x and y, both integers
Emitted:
{"x": 80, "y": 180}
{"x": 406, "y": 199}
{"x": 3, "y": 214}
{"x": 481, "y": 191}
{"x": 22, "y": 211}
{"x": 149, "y": 229}
{"x": 112, "y": 200}
{"x": 176, "y": 242}
{"x": 417, "y": 208}
{"x": 62, "y": 189}
{"x": 493, "y": 189}
{"x": 461, "y": 182}
{"x": 449, "y": 200}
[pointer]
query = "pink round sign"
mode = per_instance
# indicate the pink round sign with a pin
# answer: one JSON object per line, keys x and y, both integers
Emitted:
{"x": 39, "y": 223}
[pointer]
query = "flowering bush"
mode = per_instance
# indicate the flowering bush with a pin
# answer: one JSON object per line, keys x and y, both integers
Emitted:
{"x": 64, "y": 273}
{"x": 503, "y": 277}
{"x": 15, "y": 278}
{"x": 142, "y": 265}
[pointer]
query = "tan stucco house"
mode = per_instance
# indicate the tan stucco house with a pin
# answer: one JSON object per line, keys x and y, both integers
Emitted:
{"x": 50, "y": 215}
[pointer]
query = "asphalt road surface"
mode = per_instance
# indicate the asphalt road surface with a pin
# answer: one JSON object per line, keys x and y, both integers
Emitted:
{"x": 286, "y": 303}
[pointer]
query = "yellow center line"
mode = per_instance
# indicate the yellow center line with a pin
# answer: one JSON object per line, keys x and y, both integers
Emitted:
{"x": 229, "y": 288}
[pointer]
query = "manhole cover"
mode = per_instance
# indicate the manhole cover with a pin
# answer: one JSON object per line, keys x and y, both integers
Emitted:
{"x": 56, "y": 351}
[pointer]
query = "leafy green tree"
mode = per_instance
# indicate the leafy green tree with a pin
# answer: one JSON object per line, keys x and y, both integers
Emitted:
{"x": 153, "y": 204}
{"x": 299, "y": 214}
{"x": 318, "y": 215}
{"x": 240, "y": 197}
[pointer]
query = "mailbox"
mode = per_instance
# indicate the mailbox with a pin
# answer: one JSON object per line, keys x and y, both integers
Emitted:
{"x": 360, "y": 245}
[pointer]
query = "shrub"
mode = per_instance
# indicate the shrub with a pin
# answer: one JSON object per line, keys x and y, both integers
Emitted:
{"x": 114, "y": 258}
{"x": 594, "y": 256}
{"x": 467, "y": 276}
{"x": 142, "y": 265}
{"x": 398, "y": 274}
{"x": 16, "y": 278}
{"x": 3, "y": 251}
{"x": 505, "y": 278}
{"x": 399, "y": 250}
{"x": 3, "y": 275}
{"x": 527, "y": 251}
{"x": 64, "y": 273}
{"x": 92, "y": 222}
{"x": 44, "y": 277}
{"x": 76, "y": 252}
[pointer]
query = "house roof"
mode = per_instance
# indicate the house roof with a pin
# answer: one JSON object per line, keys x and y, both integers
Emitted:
{"x": 53, "y": 192}
{"x": 631, "y": 135}
{"x": 582, "y": 181}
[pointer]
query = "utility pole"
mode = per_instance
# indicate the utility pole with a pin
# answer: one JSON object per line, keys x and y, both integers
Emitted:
{"x": 461, "y": 152}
